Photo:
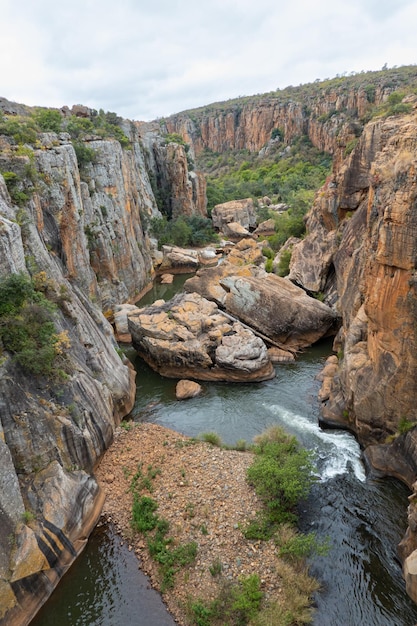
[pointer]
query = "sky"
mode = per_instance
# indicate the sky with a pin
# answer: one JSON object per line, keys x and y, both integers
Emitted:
{"x": 150, "y": 59}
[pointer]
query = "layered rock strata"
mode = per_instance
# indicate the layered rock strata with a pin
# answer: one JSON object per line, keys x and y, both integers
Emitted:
{"x": 79, "y": 230}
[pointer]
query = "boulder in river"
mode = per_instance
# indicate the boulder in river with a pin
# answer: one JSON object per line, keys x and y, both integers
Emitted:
{"x": 189, "y": 337}
{"x": 187, "y": 389}
{"x": 273, "y": 306}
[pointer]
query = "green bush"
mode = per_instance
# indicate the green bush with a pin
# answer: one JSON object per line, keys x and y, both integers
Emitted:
{"x": 22, "y": 129}
{"x": 191, "y": 230}
{"x": 212, "y": 438}
{"x": 237, "y": 603}
{"x": 48, "y": 120}
{"x": 282, "y": 474}
{"x": 27, "y": 329}
{"x": 84, "y": 154}
{"x": 283, "y": 268}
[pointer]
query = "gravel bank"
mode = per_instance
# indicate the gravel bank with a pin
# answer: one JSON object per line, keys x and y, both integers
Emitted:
{"x": 202, "y": 491}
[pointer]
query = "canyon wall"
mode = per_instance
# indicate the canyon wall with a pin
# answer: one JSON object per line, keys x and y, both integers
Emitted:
{"x": 79, "y": 228}
{"x": 331, "y": 118}
{"x": 361, "y": 251}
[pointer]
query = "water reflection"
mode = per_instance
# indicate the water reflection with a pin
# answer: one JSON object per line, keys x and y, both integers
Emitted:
{"x": 104, "y": 587}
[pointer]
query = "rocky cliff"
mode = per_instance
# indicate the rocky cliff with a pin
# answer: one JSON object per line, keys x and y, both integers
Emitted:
{"x": 331, "y": 114}
{"x": 361, "y": 250}
{"x": 73, "y": 219}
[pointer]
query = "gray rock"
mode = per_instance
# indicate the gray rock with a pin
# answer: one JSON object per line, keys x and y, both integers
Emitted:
{"x": 189, "y": 337}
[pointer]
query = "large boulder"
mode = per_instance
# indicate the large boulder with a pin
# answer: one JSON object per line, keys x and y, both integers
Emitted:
{"x": 271, "y": 305}
{"x": 178, "y": 260}
{"x": 244, "y": 259}
{"x": 278, "y": 309}
{"x": 188, "y": 337}
{"x": 240, "y": 211}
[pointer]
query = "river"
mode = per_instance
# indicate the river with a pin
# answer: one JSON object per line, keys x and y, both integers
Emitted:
{"x": 364, "y": 519}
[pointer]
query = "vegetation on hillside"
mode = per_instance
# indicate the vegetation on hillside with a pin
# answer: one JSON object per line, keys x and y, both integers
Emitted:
{"x": 27, "y": 329}
{"x": 193, "y": 230}
{"x": 24, "y": 129}
{"x": 402, "y": 79}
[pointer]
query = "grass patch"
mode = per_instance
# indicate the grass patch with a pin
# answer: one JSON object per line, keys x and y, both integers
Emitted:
{"x": 237, "y": 603}
{"x": 146, "y": 521}
{"x": 212, "y": 438}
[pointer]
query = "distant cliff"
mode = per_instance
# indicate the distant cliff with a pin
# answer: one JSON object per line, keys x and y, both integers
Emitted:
{"x": 331, "y": 113}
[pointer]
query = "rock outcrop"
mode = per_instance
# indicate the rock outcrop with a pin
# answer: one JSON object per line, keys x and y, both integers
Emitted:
{"x": 179, "y": 189}
{"x": 362, "y": 241}
{"x": 330, "y": 116}
{"x": 188, "y": 337}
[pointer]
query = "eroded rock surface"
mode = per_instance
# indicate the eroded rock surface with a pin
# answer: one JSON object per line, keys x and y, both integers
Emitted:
{"x": 241, "y": 212}
{"x": 189, "y": 337}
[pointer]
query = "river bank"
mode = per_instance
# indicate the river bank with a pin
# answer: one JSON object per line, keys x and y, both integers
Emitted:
{"x": 202, "y": 491}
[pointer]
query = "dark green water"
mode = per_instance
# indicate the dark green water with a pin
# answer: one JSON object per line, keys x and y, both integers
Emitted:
{"x": 364, "y": 519}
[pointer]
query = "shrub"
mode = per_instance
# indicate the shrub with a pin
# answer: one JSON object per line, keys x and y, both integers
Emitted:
{"x": 283, "y": 268}
{"x": 27, "y": 329}
{"x": 185, "y": 231}
{"x": 405, "y": 425}
{"x": 22, "y": 129}
{"x": 212, "y": 438}
{"x": 282, "y": 474}
{"x": 237, "y": 603}
{"x": 84, "y": 154}
{"x": 48, "y": 120}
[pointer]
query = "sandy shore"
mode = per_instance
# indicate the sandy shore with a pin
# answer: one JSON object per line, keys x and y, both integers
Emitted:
{"x": 202, "y": 491}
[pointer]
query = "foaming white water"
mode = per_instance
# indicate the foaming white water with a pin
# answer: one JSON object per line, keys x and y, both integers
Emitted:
{"x": 337, "y": 452}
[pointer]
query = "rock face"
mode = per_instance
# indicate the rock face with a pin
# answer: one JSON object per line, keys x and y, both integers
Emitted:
{"x": 188, "y": 337}
{"x": 80, "y": 232}
{"x": 279, "y": 310}
{"x": 180, "y": 190}
{"x": 362, "y": 241}
{"x": 326, "y": 117}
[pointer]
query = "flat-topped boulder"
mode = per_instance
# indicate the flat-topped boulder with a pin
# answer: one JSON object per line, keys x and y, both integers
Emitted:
{"x": 240, "y": 211}
{"x": 178, "y": 260}
{"x": 189, "y": 337}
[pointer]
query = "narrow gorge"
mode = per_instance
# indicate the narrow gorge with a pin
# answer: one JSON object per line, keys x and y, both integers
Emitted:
{"x": 77, "y": 205}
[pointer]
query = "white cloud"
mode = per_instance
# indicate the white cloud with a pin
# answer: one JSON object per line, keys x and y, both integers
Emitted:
{"x": 148, "y": 59}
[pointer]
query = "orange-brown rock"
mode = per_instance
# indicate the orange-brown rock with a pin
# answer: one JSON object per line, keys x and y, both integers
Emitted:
{"x": 363, "y": 227}
{"x": 240, "y": 212}
{"x": 187, "y": 389}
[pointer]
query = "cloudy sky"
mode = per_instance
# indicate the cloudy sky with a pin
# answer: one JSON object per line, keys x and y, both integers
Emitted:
{"x": 147, "y": 59}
